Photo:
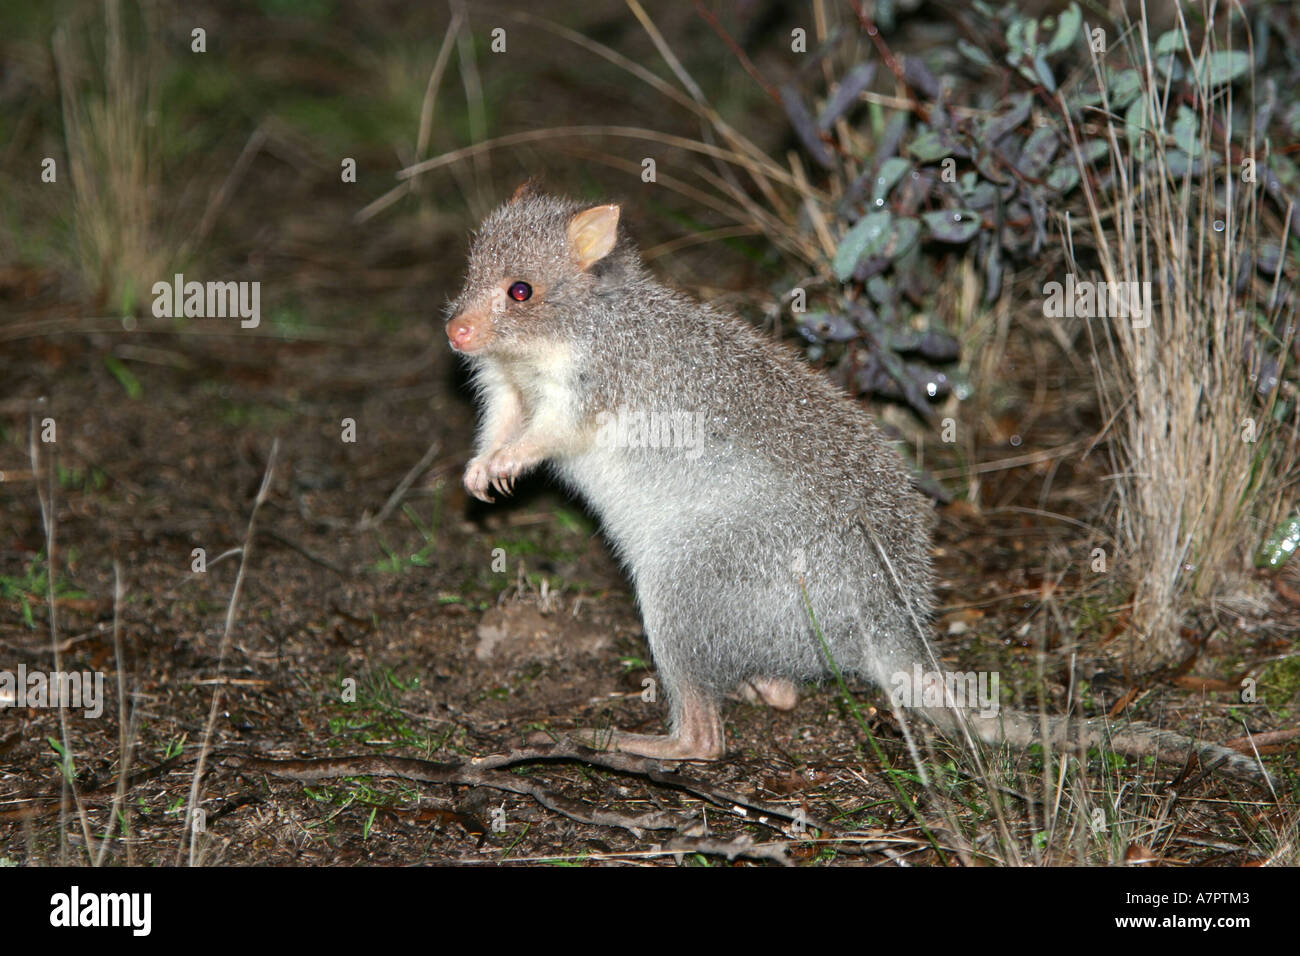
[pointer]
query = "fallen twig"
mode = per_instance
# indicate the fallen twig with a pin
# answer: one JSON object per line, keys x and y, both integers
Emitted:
{"x": 478, "y": 772}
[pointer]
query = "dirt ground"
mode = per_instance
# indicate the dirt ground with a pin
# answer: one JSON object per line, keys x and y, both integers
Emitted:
{"x": 428, "y": 626}
{"x": 450, "y": 658}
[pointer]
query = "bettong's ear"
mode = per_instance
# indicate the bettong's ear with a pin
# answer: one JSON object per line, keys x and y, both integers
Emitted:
{"x": 592, "y": 233}
{"x": 525, "y": 189}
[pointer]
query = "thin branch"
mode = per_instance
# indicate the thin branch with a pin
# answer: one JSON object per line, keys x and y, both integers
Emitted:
{"x": 210, "y": 725}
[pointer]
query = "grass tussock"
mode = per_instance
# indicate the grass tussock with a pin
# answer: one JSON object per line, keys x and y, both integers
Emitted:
{"x": 106, "y": 109}
{"x": 1200, "y": 465}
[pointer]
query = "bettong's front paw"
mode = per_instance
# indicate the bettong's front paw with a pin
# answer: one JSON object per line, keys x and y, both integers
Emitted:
{"x": 508, "y": 463}
{"x": 477, "y": 479}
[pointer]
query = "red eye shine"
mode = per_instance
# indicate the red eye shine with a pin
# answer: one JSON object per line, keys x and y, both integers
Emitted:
{"x": 520, "y": 291}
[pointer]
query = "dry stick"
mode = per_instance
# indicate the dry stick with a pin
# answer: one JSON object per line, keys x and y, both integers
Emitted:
{"x": 473, "y": 85}
{"x": 741, "y": 846}
{"x": 578, "y": 812}
{"x": 1015, "y": 461}
{"x": 571, "y": 809}
{"x": 701, "y": 109}
{"x": 367, "y": 523}
{"x": 745, "y": 211}
{"x": 210, "y": 725}
{"x": 821, "y": 30}
{"x": 618, "y": 59}
{"x": 218, "y": 199}
{"x": 677, "y": 846}
{"x": 310, "y": 555}
{"x": 46, "y": 500}
{"x": 476, "y": 772}
{"x": 715, "y": 119}
{"x": 1271, "y": 741}
{"x": 109, "y": 325}
{"x": 1055, "y": 516}
{"x": 426, "y": 114}
{"x": 435, "y": 81}
{"x": 699, "y": 238}
{"x": 707, "y": 130}
{"x": 747, "y": 163}
{"x": 778, "y": 232}
{"x": 730, "y": 849}
{"x": 738, "y": 52}
{"x": 815, "y": 216}
{"x": 125, "y": 725}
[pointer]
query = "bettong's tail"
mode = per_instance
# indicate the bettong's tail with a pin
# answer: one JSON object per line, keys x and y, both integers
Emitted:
{"x": 1023, "y": 730}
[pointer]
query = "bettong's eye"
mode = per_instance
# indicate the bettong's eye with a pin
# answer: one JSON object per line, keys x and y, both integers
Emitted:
{"x": 520, "y": 291}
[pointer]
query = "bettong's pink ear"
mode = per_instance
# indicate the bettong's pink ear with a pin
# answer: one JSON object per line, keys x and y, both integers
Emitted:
{"x": 592, "y": 233}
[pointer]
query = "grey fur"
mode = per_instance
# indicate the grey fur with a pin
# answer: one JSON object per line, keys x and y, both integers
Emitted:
{"x": 792, "y": 499}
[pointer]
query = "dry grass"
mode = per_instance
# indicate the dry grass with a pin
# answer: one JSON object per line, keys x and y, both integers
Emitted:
{"x": 1199, "y": 465}
{"x": 115, "y": 184}
{"x": 736, "y": 168}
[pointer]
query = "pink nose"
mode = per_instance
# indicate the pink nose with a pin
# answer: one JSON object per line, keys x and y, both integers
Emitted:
{"x": 460, "y": 332}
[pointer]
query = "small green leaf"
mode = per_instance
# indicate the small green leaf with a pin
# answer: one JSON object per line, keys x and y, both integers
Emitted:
{"x": 1067, "y": 29}
{"x": 979, "y": 195}
{"x": 1044, "y": 72}
{"x": 952, "y": 225}
{"x": 903, "y": 237}
{"x": 1177, "y": 163}
{"x": 1186, "y": 132}
{"x": 1165, "y": 55}
{"x": 1123, "y": 88}
{"x": 125, "y": 377}
{"x": 1016, "y": 38}
{"x": 1039, "y": 151}
{"x": 880, "y": 289}
{"x": 1092, "y": 150}
{"x": 1017, "y": 112}
{"x": 865, "y": 232}
{"x": 1064, "y": 177}
{"x": 1135, "y": 122}
{"x": 891, "y": 171}
{"x": 1291, "y": 119}
{"x": 127, "y": 299}
{"x": 930, "y": 147}
{"x": 1168, "y": 42}
{"x": 1225, "y": 66}
{"x": 1031, "y": 34}
{"x": 973, "y": 53}
{"x": 1279, "y": 545}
